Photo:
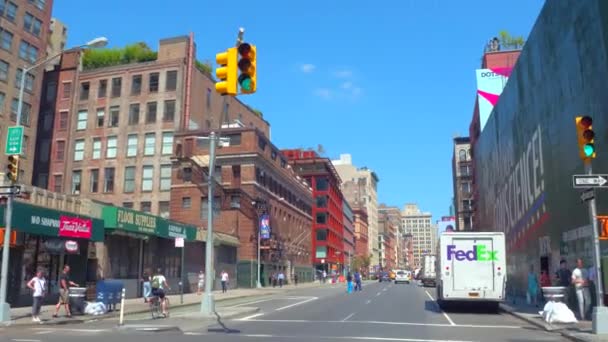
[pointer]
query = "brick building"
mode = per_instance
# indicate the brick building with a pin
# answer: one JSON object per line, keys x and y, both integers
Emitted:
{"x": 349, "y": 234}
{"x": 461, "y": 180}
{"x": 328, "y": 211}
{"x": 24, "y": 29}
{"x": 249, "y": 169}
{"x": 361, "y": 238}
{"x": 108, "y": 132}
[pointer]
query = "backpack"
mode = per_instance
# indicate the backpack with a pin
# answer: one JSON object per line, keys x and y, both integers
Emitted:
{"x": 155, "y": 282}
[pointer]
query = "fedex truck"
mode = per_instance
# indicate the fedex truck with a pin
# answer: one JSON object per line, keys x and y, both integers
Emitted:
{"x": 471, "y": 267}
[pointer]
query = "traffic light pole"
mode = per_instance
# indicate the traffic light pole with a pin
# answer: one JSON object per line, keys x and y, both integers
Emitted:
{"x": 5, "y": 308}
{"x": 600, "y": 312}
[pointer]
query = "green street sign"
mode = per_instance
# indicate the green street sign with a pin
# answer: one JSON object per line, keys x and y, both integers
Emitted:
{"x": 14, "y": 140}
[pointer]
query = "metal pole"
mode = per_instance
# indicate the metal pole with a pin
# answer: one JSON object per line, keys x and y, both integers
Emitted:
{"x": 5, "y": 308}
{"x": 259, "y": 282}
{"x": 596, "y": 244}
{"x": 208, "y": 303}
{"x": 181, "y": 297}
{"x": 122, "y": 307}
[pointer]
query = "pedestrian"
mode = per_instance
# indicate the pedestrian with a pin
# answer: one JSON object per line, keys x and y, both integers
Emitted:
{"x": 224, "y": 279}
{"x": 281, "y": 279}
{"x": 545, "y": 281}
{"x": 532, "y": 294}
{"x": 201, "y": 282}
{"x": 564, "y": 279}
{"x": 357, "y": 281}
{"x": 64, "y": 292}
{"x": 349, "y": 283}
{"x": 580, "y": 280}
{"x": 146, "y": 287}
{"x": 324, "y": 275}
{"x": 38, "y": 285}
{"x": 295, "y": 279}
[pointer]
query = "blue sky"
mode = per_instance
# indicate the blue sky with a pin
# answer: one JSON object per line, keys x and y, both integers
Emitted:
{"x": 390, "y": 82}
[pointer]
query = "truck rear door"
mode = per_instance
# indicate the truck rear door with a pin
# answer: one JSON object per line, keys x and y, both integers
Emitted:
{"x": 471, "y": 272}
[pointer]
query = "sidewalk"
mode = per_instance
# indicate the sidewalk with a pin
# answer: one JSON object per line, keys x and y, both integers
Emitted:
{"x": 22, "y": 315}
{"x": 580, "y": 331}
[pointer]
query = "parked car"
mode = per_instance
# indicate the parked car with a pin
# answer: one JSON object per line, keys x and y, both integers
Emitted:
{"x": 402, "y": 276}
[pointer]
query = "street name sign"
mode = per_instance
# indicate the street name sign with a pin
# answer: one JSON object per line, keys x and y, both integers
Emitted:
{"x": 14, "y": 140}
{"x": 590, "y": 181}
{"x": 587, "y": 195}
{"x": 10, "y": 190}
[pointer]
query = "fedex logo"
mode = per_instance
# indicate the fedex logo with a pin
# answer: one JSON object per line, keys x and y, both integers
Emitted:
{"x": 478, "y": 253}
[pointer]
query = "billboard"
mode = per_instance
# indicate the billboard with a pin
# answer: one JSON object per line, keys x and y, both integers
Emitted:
{"x": 490, "y": 83}
{"x": 265, "y": 227}
{"x": 446, "y": 223}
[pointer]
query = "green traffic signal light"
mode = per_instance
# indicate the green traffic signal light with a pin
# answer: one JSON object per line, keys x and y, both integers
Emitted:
{"x": 589, "y": 150}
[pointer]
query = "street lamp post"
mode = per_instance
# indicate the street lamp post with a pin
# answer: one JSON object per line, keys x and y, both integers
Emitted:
{"x": 5, "y": 308}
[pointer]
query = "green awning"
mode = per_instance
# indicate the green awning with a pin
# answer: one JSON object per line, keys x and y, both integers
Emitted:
{"x": 143, "y": 223}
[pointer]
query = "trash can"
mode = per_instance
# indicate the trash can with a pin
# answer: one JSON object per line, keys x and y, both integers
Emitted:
{"x": 77, "y": 300}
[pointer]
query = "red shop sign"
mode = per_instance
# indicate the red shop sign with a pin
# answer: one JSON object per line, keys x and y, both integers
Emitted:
{"x": 75, "y": 227}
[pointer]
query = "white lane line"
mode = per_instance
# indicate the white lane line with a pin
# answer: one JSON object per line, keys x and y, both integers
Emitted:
{"x": 254, "y": 302}
{"x": 360, "y": 338}
{"x": 24, "y": 340}
{"x": 250, "y": 317}
{"x": 368, "y": 301}
{"x": 44, "y": 332}
{"x": 391, "y": 323}
{"x": 296, "y": 304}
{"x": 378, "y": 294}
{"x": 49, "y": 330}
{"x": 347, "y": 317}
{"x": 443, "y": 312}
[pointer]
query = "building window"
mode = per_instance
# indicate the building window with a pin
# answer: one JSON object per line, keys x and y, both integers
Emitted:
{"x": 26, "y": 109}
{"x": 112, "y": 147}
{"x": 321, "y": 234}
{"x": 67, "y": 90}
{"x": 321, "y": 252}
{"x": 165, "y": 177}
{"x": 464, "y": 170}
{"x": 108, "y": 179}
{"x": 28, "y": 52}
{"x": 132, "y": 145}
{"x": 11, "y": 9}
{"x": 2, "y": 100}
{"x": 208, "y": 98}
{"x": 116, "y": 86}
{"x": 321, "y": 218}
{"x": 101, "y": 114}
{"x": 114, "y": 116}
{"x": 462, "y": 155}
{"x": 136, "y": 85}
{"x": 82, "y": 120}
{"x": 151, "y": 113}
{"x": 262, "y": 143}
{"x": 6, "y": 40}
{"x": 129, "y": 185}
{"x": 32, "y": 24}
{"x": 322, "y": 184}
{"x": 3, "y": 70}
{"x": 94, "y": 180}
{"x": 51, "y": 92}
{"x": 321, "y": 201}
{"x": 103, "y": 89}
{"x": 38, "y": 3}
{"x": 164, "y": 210}
{"x": 235, "y": 139}
{"x": 147, "y": 178}
{"x": 58, "y": 183}
{"x": 79, "y": 150}
{"x": 171, "y": 81}
{"x": 84, "y": 91}
{"x": 60, "y": 151}
{"x": 167, "y": 143}
{"x": 150, "y": 144}
{"x": 128, "y": 205}
{"x": 186, "y": 202}
{"x": 134, "y": 114}
{"x": 153, "y": 82}
{"x": 76, "y": 181}
{"x": 29, "y": 80}
{"x": 96, "y": 148}
{"x": 63, "y": 121}
{"x": 205, "y": 207}
{"x": 146, "y": 207}
{"x": 466, "y": 187}
{"x": 169, "y": 111}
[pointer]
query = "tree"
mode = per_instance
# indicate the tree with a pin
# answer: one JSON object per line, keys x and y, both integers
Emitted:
{"x": 206, "y": 68}
{"x": 361, "y": 262}
{"x": 134, "y": 53}
{"x": 511, "y": 42}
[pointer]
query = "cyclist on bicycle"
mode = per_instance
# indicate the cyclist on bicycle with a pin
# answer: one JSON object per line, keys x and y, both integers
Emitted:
{"x": 159, "y": 284}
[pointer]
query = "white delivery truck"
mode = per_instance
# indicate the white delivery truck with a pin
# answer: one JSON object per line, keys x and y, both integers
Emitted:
{"x": 429, "y": 274}
{"x": 472, "y": 267}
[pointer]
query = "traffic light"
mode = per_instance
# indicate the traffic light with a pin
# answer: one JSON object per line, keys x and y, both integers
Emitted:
{"x": 247, "y": 66}
{"x": 227, "y": 72}
{"x": 13, "y": 167}
{"x": 586, "y": 137}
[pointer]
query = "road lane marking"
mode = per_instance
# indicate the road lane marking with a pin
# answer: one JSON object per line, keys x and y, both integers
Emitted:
{"x": 347, "y": 317}
{"x": 24, "y": 340}
{"x": 443, "y": 312}
{"x": 368, "y": 301}
{"x": 254, "y": 302}
{"x": 384, "y": 289}
{"x": 296, "y": 304}
{"x": 360, "y": 338}
{"x": 250, "y": 317}
{"x": 440, "y": 325}
{"x": 378, "y": 294}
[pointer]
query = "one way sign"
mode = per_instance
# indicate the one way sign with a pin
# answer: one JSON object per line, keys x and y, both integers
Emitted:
{"x": 590, "y": 181}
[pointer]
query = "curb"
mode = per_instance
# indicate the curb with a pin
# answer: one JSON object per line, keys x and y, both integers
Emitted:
{"x": 148, "y": 328}
{"x": 540, "y": 324}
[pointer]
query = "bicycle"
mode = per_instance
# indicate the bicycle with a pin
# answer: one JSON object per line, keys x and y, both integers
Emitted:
{"x": 155, "y": 307}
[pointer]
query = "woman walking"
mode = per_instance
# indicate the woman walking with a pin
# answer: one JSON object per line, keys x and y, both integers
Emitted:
{"x": 532, "y": 295}
{"x": 38, "y": 286}
{"x": 201, "y": 282}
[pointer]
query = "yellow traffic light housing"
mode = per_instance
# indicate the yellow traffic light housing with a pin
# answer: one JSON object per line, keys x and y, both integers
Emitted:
{"x": 586, "y": 138}
{"x": 227, "y": 72}
{"x": 13, "y": 167}
{"x": 247, "y": 66}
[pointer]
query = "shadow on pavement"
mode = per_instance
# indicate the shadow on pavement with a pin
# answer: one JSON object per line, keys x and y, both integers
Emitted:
{"x": 471, "y": 308}
{"x": 223, "y": 326}
{"x": 431, "y": 306}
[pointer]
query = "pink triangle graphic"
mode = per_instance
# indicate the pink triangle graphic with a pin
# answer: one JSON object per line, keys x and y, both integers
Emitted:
{"x": 506, "y": 72}
{"x": 492, "y": 98}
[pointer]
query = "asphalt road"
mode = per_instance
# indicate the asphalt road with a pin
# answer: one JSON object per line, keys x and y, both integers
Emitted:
{"x": 381, "y": 312}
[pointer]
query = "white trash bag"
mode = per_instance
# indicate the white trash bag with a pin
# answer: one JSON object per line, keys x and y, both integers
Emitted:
{"x": 557, "y": 312}
{"x": 95, "y": 308}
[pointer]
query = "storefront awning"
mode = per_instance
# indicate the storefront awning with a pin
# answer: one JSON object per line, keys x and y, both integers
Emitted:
{"x": 137, "y": 222}
{"x": 37, "y": 220}
{"x": 218, "y": 238}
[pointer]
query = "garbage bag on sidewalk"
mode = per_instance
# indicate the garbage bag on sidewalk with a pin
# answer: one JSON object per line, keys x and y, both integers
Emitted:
{"x": 95, "y": 308}
{"x": 557, "y": 312}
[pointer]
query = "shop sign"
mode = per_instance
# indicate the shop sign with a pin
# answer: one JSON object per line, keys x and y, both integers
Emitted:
{"x": 75, "y": 227}
{"x": 71, "y": 246}
{"x": 143, "y": 223}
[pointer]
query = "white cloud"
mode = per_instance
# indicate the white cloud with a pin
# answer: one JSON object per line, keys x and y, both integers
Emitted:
{"x": 323, "y": 93}
{"x": 346, "y": 85}
{"x": 307, "y": 68}
{"x": 344, "y": 73}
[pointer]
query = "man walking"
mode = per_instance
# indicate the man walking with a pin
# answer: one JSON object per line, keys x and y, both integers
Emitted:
{"x": 64, "y": 292}
{"x": 224, "y": 278}
{"x": 357, "y": 281}
{"x": 580, "y": 279}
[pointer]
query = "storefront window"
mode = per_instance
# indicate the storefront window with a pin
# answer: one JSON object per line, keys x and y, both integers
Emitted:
{"x": 123, "y": 253}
